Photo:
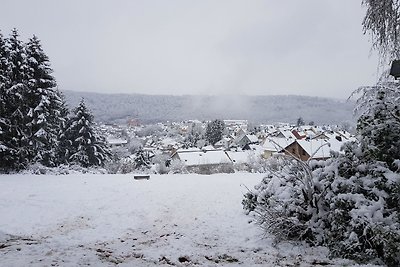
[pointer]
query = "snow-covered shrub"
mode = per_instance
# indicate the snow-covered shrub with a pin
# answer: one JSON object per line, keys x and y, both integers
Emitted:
{"x": 39, "y": 169}
{"x": 112, "y": 166}
{"x": 346, "y": 203}
{"x": 208, "y": 169}
{"x": 160, "y": 163}
{"x": 363, "y": 220}
{"x": 249, "y": 202}
{"x": 241, "y": 167}
{"x": 286, "y": 202}
{"x": 126, "y": 165}
{"x": 177, "y": 166}
{"x": 256, "y": 163}
{"x": 150, "y": 130}
{"x": 134, "y": 145}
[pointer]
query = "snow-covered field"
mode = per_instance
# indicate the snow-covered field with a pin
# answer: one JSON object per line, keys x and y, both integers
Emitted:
{"x": 105, "y": 220}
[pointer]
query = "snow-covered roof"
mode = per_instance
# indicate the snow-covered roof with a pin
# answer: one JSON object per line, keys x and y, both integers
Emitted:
{"x": 252, "y": 138}
{"x": 116, "y": 141}
{"x": 208, "y": 148}
{"x": 168, "y": 142}
{"x": 317, "y": 148}
{"x": 276, "y": 144}
{"x": 256, "y": 149}
{"x": 239, "y": 156}
{"x": 287, "y": 133}
{"x": 223, "y": 141}
{"x": 211, "y": 157}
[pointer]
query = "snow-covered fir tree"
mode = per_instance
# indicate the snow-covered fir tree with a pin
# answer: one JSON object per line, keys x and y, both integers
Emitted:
{"x": 214, "y": 131}
{"x": 32, "y": 111}
{"x": 143, "y": 159}
{"x": 6, "y": 152}
{"x": 15, "y": 135}
{"x": 194, "y": 135}
{"x": 63, "y": 150}
{"x": 87, "y": 148}
{"x": 44, "y": 105}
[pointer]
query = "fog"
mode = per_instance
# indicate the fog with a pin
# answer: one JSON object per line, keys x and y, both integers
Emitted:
{"x": 179, "y": 47}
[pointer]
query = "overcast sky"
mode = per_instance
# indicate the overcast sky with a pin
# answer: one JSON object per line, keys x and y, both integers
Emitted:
{"x": 312, "y": 47}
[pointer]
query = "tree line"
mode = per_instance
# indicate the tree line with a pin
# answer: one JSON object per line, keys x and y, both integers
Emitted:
{"x": 35, "y": 123}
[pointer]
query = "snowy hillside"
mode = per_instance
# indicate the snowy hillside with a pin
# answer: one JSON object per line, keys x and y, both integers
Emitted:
{"x": 261, "y": 109}
{"x": 103, "y": 220}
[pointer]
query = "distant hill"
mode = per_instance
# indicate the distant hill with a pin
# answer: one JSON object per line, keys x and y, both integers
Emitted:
{"x": 117, "y": 108}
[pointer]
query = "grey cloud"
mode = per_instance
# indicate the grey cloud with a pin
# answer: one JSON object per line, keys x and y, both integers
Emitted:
{"x": 193, "y": 47}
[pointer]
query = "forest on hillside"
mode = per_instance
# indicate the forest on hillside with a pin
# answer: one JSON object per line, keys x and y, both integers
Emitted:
{"x": 117, "y": 108}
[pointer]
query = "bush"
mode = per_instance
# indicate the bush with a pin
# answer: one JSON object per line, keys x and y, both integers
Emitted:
{"x": 286, "y": 201}
{"x": 160, "y": 163}
{"x": 363, "y": 221}
{"x": 126, "y": 165}
{"x": 349, "y": 205}
{"x": 177, "y": 166}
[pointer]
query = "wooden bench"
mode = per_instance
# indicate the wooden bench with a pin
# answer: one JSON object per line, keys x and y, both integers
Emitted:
{"x": 141, "y": 177}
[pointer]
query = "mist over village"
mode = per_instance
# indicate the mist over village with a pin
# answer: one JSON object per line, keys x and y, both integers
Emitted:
{"x": 200, "y": 133}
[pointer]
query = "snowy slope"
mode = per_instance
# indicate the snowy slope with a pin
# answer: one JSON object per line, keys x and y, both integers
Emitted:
{"x": 103, "y": 220}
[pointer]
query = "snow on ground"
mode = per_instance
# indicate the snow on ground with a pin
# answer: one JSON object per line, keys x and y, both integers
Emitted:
{"x": 108, "y": 220}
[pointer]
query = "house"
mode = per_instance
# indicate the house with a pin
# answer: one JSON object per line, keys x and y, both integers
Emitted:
{"x": 304, "y": 132}
{"x": 298, "y": 134}
{"x": 247, "y": 140}
{"x": 241, "y": 159}
{"x": 116, "y": 142}
{"x": 204, "y": 161}
{"x": 238, "y": 123}
{"x": 272, "y": 145}
{"x": 133, "y": 122}
{"x": 306, "y": 149}
{"x": 238, "y": 157}
{"x": 284, "y": 133}
{"x": 223, "y": 143}
{"x": 168, "y": 144}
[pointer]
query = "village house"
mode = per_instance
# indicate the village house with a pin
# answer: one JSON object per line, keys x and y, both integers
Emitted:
{"x": 284, "y": 133}
{"x": 246, "y": 140}
{"x": 305, "y": 149}
{"x": 204, "y": 161}
{"x": 272, "y": 145}
{"x": 224, "y": 143}
{"x": 116, "y": 142}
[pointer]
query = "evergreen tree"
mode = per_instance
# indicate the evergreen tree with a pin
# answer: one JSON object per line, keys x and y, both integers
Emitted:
{"x": 15, "y": 136}
{"x": 379, "y": 123}
{"x": 4, "y": 65}
{"x": 63, "y": 150}
{"x": 300, "y": 121}
{"x": 31, "y": 108}
{"x": 143, "y": 159}
{"x": 87, "y": 147}
{"x": 6, "y": 152}
{"x": 214, "y": 131}
{"x": 44, "y": 104}
{"x": 194, "y": 135}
